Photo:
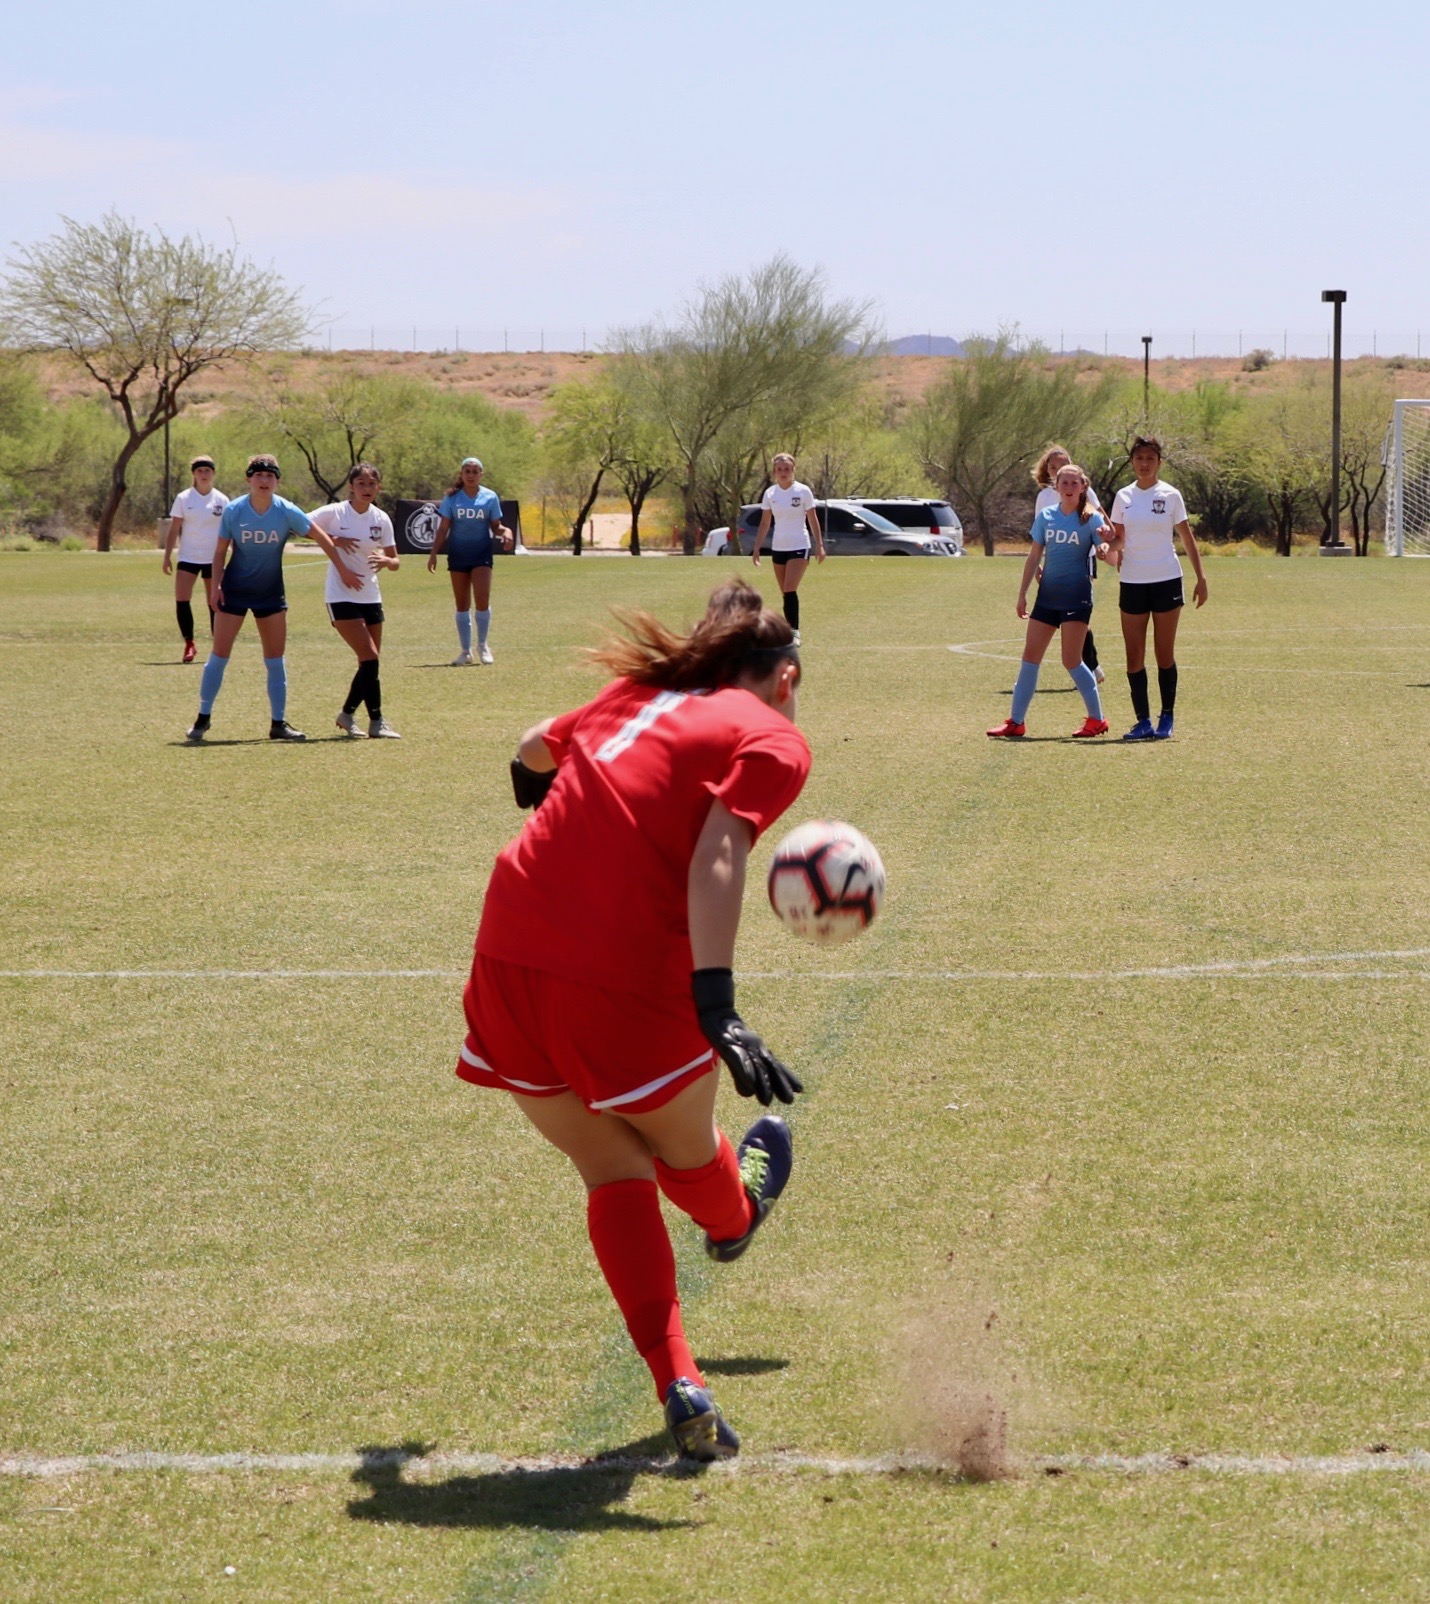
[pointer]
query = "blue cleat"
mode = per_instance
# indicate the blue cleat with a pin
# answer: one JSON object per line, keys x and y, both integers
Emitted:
{"x": 1164, "y": 727}
{"x": 1141, "y": 731}
{"x": 766, "y": 1158}
{"x": 701, "y": 1432}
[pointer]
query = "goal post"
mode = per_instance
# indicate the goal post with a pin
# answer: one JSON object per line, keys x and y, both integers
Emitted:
{"x": 1407, "y": 480}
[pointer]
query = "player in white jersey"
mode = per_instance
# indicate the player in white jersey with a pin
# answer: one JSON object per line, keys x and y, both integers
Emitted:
{"x": 1045, "y": 472}
{"x": 1145, "y": 518}
{"x": 193, "y": 522}
{"x": 362, "y": 534}
{"x": 789, "y": 506}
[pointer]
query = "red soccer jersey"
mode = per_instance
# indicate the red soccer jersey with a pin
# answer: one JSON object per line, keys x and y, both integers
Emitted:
{"x": 595, "y": 886}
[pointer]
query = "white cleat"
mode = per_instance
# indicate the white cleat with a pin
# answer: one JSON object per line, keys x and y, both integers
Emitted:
{"x": 381, "y": 730}
{"x": 463, "y": 659}
{"x": 1098, "y": 675}
{"x": 796, "y": 637}
{"x": 350, "y": 726}
{"x": 484, "y": 653}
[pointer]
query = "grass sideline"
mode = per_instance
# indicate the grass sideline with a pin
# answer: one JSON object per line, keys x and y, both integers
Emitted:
{"x": 1183, "y": 1215}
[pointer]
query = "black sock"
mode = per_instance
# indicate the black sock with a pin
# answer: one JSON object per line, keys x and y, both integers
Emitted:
{"x": 186, "y": 619}
{"x": 792, "y": 608}
{"x": 355, "y": 690}
{"x": 1167, "y": 684}
{"x": 372, "y": 691}
{"x": 1138, "y": 684}
{"x": 1089, "y": 650}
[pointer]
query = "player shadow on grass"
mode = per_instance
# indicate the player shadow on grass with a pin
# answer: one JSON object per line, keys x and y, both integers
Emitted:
{"x": 264, "y": 740}
{"x": 556, "y": 1498}
{"x": 743, "y": 1365}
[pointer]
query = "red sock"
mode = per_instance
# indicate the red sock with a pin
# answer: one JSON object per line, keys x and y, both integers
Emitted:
{"x": 633, "y": 1249}
{"x": 713, "y": 1196}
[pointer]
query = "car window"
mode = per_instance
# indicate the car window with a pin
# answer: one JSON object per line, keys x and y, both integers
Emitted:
{"x": 906, "y": 514}
{"x": 943, "y": 515}
{"x": 836, "y": 520}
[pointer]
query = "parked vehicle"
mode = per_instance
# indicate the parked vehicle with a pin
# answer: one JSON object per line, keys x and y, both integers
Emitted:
{"x": 851, "y": 529}
{"x": 909, "y": 512}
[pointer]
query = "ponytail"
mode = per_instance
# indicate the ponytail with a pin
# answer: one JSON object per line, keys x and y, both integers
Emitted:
{"x": 738, "y": 635}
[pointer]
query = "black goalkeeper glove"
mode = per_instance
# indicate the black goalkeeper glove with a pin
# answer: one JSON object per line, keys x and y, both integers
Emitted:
{"x": 753, "y": 1067}
{"x": 530, "y": 785}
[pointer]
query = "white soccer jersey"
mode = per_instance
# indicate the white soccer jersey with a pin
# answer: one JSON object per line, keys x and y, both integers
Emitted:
{"x": 788, "y": 507}
{"x": 201, "y": 515}
{"x": 373, "y": 529}
{"x": 1149, "y": 518}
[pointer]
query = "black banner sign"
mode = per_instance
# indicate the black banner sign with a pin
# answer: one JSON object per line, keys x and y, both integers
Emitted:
{"x": 415, "y": 524}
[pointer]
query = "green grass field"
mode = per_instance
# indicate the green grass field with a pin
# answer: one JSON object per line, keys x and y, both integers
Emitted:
{"x": 1182, "y": 1213}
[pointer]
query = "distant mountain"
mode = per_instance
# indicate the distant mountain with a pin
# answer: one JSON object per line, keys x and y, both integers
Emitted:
{"x": 925, "y": 345}
{"x": 914, "y": 345}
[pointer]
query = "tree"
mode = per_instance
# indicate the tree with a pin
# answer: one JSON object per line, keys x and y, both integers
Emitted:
{"x": 583, "y": 440}
{"x": 995, "y": 409}
{"x": 1364, "y": 417}
{"x": 767, "y": 348}
{"x": 343, "y": 419}
{"x": 142, "y": 313}
{"x": 1265, "y": 443}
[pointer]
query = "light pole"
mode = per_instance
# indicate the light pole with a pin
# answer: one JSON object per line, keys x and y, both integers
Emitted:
{"x": 1331, "y": 538}
{"x": 1146, "y": 379}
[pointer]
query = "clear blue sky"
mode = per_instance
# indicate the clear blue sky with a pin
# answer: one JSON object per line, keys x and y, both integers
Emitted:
{"x": 1119, "y": 167}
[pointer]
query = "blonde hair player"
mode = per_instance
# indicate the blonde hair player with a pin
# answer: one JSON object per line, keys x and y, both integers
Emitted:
{"x": 647, "y": 802}
{"x": 1146, "y": 516}
{"x": 1045, "y": 471}
{"x": 1066, "y": 539}
{"x": 789, "y": 506}
{"x": 193, "y": 522}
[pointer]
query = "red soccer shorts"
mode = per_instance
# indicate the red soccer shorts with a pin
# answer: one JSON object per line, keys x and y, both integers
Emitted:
{"x": 540, "y": 1035}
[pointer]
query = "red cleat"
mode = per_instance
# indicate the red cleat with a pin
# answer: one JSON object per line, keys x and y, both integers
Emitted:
{"x": 1012, "y": 730}
{"x": 1091, "y": 726}
{"x": 190, "y": 651}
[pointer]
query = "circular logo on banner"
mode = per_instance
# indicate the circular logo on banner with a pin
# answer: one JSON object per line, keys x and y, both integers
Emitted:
{"x": 422, "y": 524}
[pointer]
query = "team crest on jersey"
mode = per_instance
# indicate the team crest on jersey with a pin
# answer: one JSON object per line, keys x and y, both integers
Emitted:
{"x": 1159, "y": 504}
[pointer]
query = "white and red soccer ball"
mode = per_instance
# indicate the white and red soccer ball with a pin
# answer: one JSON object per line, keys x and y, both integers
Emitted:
{"x": 826, "y": 882}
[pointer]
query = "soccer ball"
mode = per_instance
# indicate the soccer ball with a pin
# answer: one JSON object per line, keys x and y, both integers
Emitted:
{"x": 826, "y": 882}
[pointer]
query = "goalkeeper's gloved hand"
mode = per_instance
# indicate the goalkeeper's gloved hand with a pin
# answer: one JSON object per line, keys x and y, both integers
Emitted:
{"x": 530, "y": 785}
{"x": 753, "y": 1067}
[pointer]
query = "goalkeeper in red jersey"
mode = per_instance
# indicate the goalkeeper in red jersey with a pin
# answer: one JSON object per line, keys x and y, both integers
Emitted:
{"x": 601, "y": 995}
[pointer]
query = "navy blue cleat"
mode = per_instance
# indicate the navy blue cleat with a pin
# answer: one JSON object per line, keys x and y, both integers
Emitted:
{"x": 1141, "y": 731}
{"x": 701, "y": 1432}
{"x": 766, "y": 1158}
{"x": 1164, "y": 727}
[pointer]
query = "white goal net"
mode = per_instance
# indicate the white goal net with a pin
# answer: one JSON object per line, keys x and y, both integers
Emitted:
{"x": 1407, "y": 481}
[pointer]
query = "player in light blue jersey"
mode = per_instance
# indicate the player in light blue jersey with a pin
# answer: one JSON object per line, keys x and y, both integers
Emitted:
{"x": 470, "y": 528}
{"x": 248, "y": 578}
{"x": 1066, "y": 539}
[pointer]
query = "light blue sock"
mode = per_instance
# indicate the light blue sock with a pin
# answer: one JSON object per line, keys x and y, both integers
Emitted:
{"x": 484, "y": 623}
{"x": 1086, "y": 681}
{"x": 1023, "y": 688}
{"x": 212, "y": 679}
{"x": 464, "y": 630}
{"x": 277, "y": 670}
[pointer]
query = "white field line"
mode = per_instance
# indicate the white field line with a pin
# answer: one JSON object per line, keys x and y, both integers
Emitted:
{"x": 428, "y": 1466}
{"x": 1299, "y": 966}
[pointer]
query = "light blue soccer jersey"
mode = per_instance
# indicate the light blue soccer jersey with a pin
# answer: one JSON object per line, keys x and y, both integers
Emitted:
{"x": 1067, "y": 552}
{"x": 255, "y": 562}
{"x": 470, "y": 538}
